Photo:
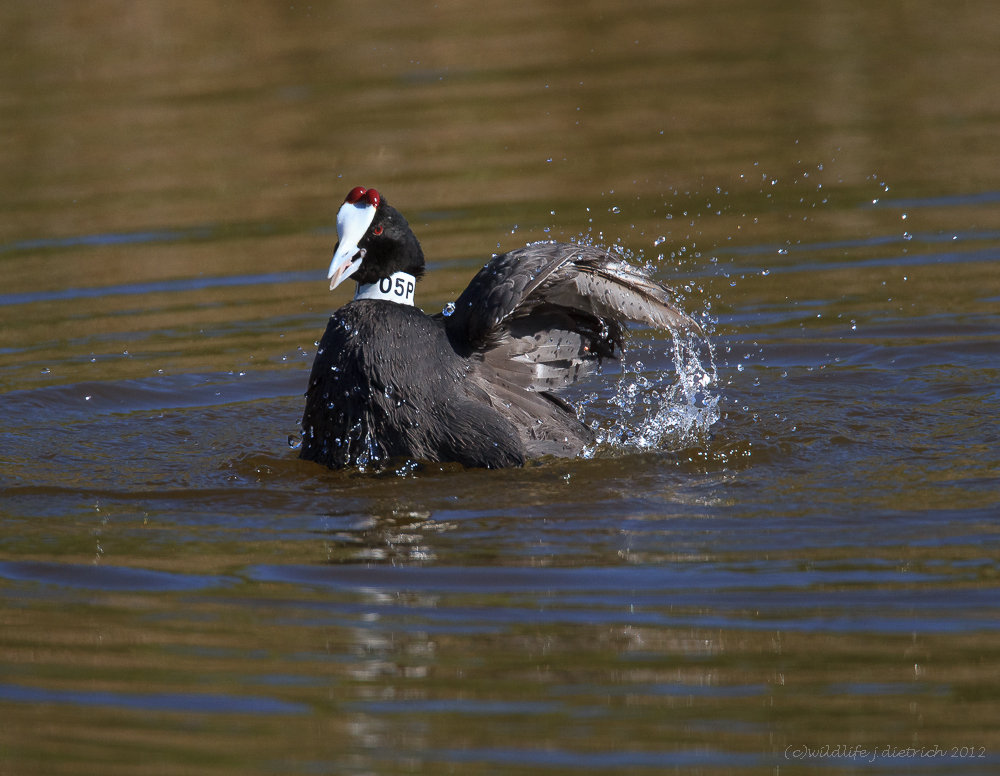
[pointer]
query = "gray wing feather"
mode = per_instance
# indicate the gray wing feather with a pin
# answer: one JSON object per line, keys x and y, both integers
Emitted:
{"x": 586, "y": 280}
{"x": 616, "y": 289}
{"x": 538, "y": 319}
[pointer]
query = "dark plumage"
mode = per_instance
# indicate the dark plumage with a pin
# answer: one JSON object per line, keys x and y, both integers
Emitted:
{"x": 477, "y": 386}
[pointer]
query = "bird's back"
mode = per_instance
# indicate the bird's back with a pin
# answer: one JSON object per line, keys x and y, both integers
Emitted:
{"x": 387, "y": 382}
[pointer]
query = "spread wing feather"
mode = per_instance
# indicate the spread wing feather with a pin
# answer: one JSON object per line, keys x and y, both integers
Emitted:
{"x": 542, "y": 317}
{"x": 600, "y": 289}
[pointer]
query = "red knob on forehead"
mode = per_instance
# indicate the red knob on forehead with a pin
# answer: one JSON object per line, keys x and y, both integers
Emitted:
{"x": 355, "y": 195}
{"x": 373, "y": 197}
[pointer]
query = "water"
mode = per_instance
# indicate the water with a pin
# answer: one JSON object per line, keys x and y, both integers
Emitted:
{"x": 788, "y": 568}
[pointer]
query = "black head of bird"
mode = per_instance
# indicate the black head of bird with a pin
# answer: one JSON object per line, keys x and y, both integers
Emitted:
{"x": 375, "y": 241}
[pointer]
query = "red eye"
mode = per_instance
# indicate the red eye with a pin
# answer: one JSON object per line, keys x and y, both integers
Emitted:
{"x": 355, "y": 195}
{"x": 372, "y": 197}
{"x": 377, "y": 230}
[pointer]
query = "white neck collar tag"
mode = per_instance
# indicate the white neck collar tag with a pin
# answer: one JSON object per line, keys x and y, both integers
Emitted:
{"x": 398, "y": 288}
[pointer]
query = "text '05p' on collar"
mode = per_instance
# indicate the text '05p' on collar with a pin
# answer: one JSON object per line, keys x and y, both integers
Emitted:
{"x": 397, "y": 288}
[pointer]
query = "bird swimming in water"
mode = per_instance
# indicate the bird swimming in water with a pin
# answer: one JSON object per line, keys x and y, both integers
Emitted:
{"x": 478, "y": 383}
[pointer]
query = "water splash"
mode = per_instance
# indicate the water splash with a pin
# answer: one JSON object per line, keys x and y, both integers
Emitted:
{"x": 666, "y": 406}
{"x": 660, "y": 408}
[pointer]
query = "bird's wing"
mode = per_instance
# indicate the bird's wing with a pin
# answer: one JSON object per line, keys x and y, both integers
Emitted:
{"x": 590, "y": 288}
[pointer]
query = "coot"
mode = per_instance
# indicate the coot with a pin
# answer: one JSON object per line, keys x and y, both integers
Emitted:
{"x": 478, "y": 383}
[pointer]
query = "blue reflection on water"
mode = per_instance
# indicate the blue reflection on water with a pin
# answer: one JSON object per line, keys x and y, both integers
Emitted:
{"x": 174, "y": 702}
{"x": 106, "y": 577}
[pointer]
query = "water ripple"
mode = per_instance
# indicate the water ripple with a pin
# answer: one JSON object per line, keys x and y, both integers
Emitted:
{"x": 197, "y": 703}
